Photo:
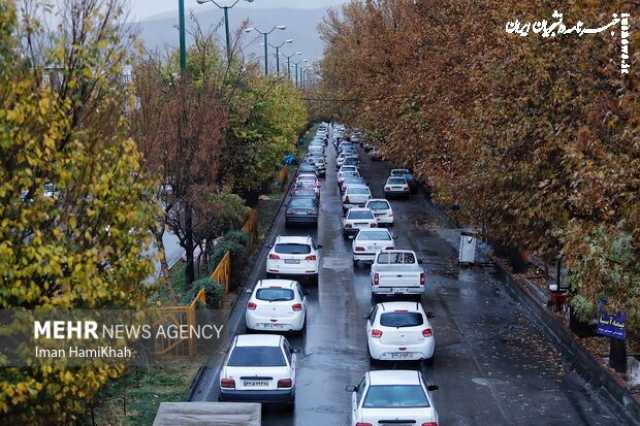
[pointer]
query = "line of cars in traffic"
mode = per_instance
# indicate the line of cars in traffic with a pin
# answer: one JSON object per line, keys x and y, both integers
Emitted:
{"x": 261, "y": 367}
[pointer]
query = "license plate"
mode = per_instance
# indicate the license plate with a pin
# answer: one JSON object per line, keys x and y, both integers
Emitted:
{"x": 292, "y": 261}
{"x": 379, "y": 214}
{"x": 399, "y": 290}
{"x": 256, "y": 383}
{"x": 400, "y": 355}
{"x": 361, "y": 225}
{"x": 272, "y": 326}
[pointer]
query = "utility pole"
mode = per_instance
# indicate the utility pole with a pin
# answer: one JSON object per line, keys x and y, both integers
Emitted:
{"x": 183, "y": 38}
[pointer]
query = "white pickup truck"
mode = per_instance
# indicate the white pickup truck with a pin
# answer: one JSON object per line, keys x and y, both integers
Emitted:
{"x": 396, "y": 272}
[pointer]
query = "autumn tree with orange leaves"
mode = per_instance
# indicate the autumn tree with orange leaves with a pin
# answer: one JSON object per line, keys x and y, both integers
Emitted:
{"x": 537, "y": 139}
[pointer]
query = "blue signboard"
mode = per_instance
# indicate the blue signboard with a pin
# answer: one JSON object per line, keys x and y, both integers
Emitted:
{"x": 611, "y": 325}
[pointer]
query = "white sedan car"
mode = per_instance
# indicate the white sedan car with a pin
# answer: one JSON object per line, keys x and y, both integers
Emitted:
{"x": 276, "y": 305}
{"x": 355, "y": 196}
{"x": 259, "y": 368}
{"x": 396, "y": 187}
{"x": 382, "y": 209}
{"x": 368, "y": 242}
{"x": 398, "y": 397}
{"x": 400, "y": 331}
{"x": 344, "y": 170}
{"x": 294, "y": 256}
{"x": 357, "y": 219}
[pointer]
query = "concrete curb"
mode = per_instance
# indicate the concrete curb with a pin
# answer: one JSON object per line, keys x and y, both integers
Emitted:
{"x": 582, "y": 360}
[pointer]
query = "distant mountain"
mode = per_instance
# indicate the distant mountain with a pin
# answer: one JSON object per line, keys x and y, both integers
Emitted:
{"x": 160, "y": 32}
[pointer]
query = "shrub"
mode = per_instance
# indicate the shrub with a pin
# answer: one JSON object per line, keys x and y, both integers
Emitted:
{"x": 213, "y": 290}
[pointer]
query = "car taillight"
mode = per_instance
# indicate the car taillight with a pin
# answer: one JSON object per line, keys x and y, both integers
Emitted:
{"x": 375, "y": 333}
{"x": 359, "y": 248}
{"x": 346, "y": 200}
{"x": 427, "y": 332}
{"x": 423, "y": 278}
{"x": 273, "y": 256}
{"x": 311, "y": 257}
{"x": 227, "y": 383}
{"x": 376, "y": 279}
{"x": 347, "y": 225}
{"x": 285, "y": 383}
{"x": 251, "y": 306}
{"x": 430, "y": 424}
{"x": 297, "y": 307}
{"x": 386, "y": 188}
{"x": 373, "y": 225}
{"x": 363, "y": 424}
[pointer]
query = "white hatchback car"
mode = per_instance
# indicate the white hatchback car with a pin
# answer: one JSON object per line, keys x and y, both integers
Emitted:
{"x": 294, "y": 256}
{"x": 382, "y": 209}
{"x": 400, "y": 331}
{"x": 398, "y": 397}
{"x": 357, "y": 219}
{"x": 368, "y": 242}
{"x": 278, "y": 305}
{"x": 259, "y": 368}
{"x": 355, "y": 196}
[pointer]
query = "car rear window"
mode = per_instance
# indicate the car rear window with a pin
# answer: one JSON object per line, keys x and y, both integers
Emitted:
{"x": 378, "y": 205}
{"x": 290, "y": 248}
{"x": 257, "y": 356}
{"x": 401, "y": 319}
{"x": 397, "y": 181}
{"x": 373, "y": 236}
{"x": 399, "y": 172}
{"x": 302, "y": 203}
{"x": 403, "y": 258}
{"x": 274, "y": 294}
{"x": 360, "y": 214}
{"x": 395, "y": 396}
{"x": 357, "y": 190}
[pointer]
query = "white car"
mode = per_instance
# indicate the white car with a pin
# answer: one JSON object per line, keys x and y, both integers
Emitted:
{"x": 259, "y": 368}
{"x": 294, "y": 256}
{"x": 396, "y": 187}
{"x": 276, "y": 305}
{"x": 346, "y": 170}
{"x": 355, "y": 196}
{"x": 368, "y": 242}
{"x": 400, "y": 331}
{"x": 382, "y": 209}
{"x": 357, "y": 219}
{"x": 308, "y": 177}
{"x": 398, "y": 397}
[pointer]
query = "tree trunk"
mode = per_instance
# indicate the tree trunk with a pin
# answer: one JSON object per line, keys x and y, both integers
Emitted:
{"x": 618, "y": 355}
{"x": 188, "y": 232}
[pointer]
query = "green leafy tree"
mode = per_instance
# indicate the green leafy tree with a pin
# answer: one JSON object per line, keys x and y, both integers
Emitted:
{"x": 73, "y": 217}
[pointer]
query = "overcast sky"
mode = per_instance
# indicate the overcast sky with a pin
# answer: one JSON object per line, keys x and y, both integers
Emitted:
{"x": 142, "y": 9}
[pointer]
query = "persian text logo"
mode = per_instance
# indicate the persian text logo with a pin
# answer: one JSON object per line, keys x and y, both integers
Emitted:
{"x": 546, "y": 30}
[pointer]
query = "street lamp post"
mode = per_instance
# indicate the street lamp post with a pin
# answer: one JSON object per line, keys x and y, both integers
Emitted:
{"x": 278, "y": 47}
{"x": 183, "y": 37}
{"x": 266, "y": 43}
{"x": 289, "y": 62}
{"x": 226, "y": 21}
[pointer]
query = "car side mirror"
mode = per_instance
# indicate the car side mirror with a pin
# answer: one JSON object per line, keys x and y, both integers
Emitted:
{"x": 430, "y": 315}
{"x": 350, "y": 388}
{"x": 432, "y": 388}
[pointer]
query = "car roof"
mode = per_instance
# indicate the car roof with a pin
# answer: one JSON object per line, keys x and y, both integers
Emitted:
{"x": 397, "y": 177}
{"x": 400, "y": 306}
{"x": 400, "y": 170}
{"x": 394, "y": 377}
{"x": 379, "y": 199}
{"x": 258, "y": 340}
{"x": 361, "y": 209}
{"x": 284, "y": 239}
{"x": 266, "y": 283}
{"x": 357, "y": 185}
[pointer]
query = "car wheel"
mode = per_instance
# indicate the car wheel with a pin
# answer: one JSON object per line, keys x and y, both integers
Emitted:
{"x": 290, "y": 406}
{"x": 429, "y": 361}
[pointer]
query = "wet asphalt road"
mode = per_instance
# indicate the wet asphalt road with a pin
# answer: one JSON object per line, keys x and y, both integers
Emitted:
{"x": 493, "y": 365}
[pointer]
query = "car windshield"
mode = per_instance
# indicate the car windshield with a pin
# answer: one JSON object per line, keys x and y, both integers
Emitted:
{"x": 378, "y": 205}
{"x": 302, "y": 203}
{"x": 373, "y": 236}
{"x": 358, "y": 190}
{"x": 360, "y": 214}
{"x": 395, "y": 396}
{"x": 257, "y": 356}
{"x": 305, "y": 184}
{"x": 348, "y": 169}
{"x": 351, "y": 173}
{"x": 401, "y": 319}
{"x": 403, "y": 258}
{"x": 274, "y": 294}
{"x": 292, "y": 248}
{"x": 397, "y": 181}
